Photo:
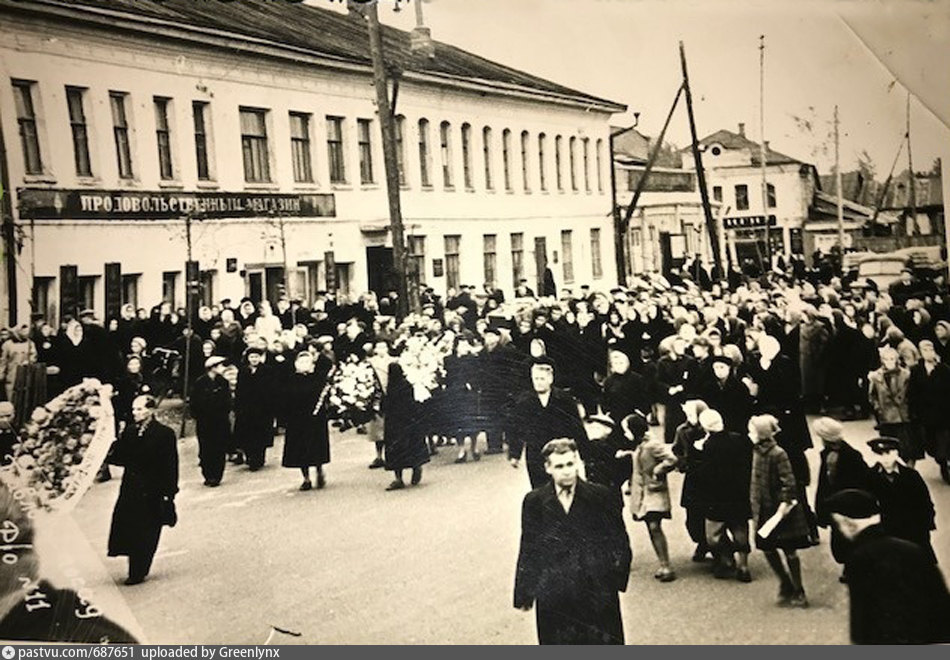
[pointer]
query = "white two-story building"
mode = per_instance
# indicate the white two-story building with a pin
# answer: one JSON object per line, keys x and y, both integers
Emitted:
{"x": 258, "y": 121}
{"x": 732, "y": 164}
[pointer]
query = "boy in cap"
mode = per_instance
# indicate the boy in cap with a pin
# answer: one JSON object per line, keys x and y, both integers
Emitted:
{"x": 907, "y": 511}
{"x": 210, "y": 405}
{"x": 898, "y": 596}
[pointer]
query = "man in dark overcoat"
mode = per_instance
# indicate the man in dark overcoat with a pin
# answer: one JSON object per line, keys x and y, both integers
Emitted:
{"x": 540, "y": 416}
{"x": 574, "y": 556}
{"x": 211, "y": 406}
{"x": 927, "y": 396}
{"x": 897, "y": 594}
{"x": 501, "y": 366}
{"x": 148, "y": 451}
{"x": 254, "y": 408}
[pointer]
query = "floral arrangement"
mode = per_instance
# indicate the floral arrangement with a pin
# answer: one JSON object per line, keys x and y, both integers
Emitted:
{"x": 422, "y": 364}
{"x": 61, "y": 448}
{"x": 355, "y": 393}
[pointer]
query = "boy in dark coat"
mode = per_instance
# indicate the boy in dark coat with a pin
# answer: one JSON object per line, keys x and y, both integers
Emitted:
{"x": 574, "y": 557}
{"x": 907, "y": 512}
{"x": 211, "y": 406}
{"x": 148, "y": 451}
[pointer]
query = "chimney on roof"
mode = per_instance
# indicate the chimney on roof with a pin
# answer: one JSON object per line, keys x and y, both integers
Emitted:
{"x": 741, "y": 129}
{"x": 420, "y": 39}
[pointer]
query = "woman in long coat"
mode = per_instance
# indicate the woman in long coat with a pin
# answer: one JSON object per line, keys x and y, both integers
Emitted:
{"x": 690, "y": 461}
{"x": 307, "y": 440}
{"x": 812, "y": 348}
{"x": 148, "y": 451}
{"x": 253, "y": 409}
{"x": 404, "y": 435}
{"x": 772, "y": 487}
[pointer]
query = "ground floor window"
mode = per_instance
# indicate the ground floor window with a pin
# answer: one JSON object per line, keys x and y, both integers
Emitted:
{"x": 596, "y": 265}
{"x": 130, "y": 289}
{"x": 42, "y": 297}
{"x": 452, "y": 249}
{"x": 169, "y": 286}
{"x": 207, "y": 287}
{"x": 517, "y": 259}
{"x": 87, "y": 291}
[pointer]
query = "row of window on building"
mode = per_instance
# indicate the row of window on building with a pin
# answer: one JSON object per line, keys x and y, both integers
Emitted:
{"x": 452, "y": 262}
{"x": 574, "y": 173}
{"x": 742, "y": 196}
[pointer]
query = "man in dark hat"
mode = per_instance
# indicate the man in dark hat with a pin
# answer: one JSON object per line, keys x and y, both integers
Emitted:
{"x": 897, "y": 594}
{"x": 254, "y": 408}
{"x": 501, "y": 371}
{"x": 907, "y": 512}
{"x": 210, "y": 406}
{"x": 575, "y": 554}
{"x": 540, "y": 416}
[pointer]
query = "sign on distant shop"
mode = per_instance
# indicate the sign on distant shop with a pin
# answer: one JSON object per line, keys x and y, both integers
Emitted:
{"x": 748, "y": 222}
{"x": 48, "y": 204}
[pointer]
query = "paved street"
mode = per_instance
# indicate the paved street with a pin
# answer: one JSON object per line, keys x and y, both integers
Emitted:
{"x": 433, "y": 564}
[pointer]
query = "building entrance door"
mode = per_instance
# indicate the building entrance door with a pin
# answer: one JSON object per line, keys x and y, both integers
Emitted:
{"x": 381, "y": 271}
{"x": 540, "y": 262}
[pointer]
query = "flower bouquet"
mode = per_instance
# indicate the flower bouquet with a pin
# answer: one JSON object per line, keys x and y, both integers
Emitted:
{"x": 355, "y": 394}
{"x": 61, "y": 448}
{"x": 422, "y": 365}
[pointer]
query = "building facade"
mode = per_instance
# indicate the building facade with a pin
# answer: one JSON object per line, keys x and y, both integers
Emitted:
{"x": 734, "y": 179}
{"x": 120, "y": 119}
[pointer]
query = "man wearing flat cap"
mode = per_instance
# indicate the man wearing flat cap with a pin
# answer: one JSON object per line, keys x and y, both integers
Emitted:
{"x": 540, "y": 416}
{"x": 907, "y": 512}
{"x": 210, "y": 406}
{"x": 897, "y": 594}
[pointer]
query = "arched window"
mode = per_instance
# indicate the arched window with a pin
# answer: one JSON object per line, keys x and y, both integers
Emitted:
{"x": 585, "y": 145}
{"x": 572, "y": 161}
{"x": 425, "y": 162}
{"x": 400, "y": 127}
{"x": 525, "y": 183}
{"x": 467, "y": 156}
{"x": 486, "y": 155}
{"x": 445, "y": 144}
{"x": 506, "y": 156}
{"x": 542, "y": 139}
{"x": 600, "y": 165}
{"x": 558, "y": 167}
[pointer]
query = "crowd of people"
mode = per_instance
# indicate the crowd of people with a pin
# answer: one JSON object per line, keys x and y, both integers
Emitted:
{"x": 729, "y": 370}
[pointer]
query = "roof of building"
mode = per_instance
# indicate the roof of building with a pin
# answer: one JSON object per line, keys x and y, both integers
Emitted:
{"x": 304, "y": 30}
{"x": 633, "y": 148}
{"x": 737, "y": 141}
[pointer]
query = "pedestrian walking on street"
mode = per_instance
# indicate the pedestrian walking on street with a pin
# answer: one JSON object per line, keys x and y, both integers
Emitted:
{"x": 307, "y": 437}
{"x": 927, "y": 398}
{"x": 649, "y": 492}
{"x": 897, "y": 594}
{"x": 772, "y": 492}
{"x": 574, "y": 556}
{"x": 148, "y": 452}
{"x": 888, "y": 388}
{"x": 689, "y": 452}
{"x": 405, "y": 441}
{"x": 254, "y": 409}
{"x": 907, "y": 512}
{"x": 540, "y": 416}
{"x": 842, "y": 467}
{"x": 211, "y": 408}
{"x": 726, "y": 475}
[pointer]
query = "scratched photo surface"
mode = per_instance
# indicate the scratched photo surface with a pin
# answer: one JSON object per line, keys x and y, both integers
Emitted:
{"x": 295, "y": 293}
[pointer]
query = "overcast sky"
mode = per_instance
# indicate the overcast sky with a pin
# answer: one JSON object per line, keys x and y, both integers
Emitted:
{"x": 627, "y": 51}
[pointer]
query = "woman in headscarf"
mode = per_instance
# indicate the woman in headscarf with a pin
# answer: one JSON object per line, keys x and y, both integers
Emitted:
{"x": 774, "y": 493}
{"x": 690, "y": 462}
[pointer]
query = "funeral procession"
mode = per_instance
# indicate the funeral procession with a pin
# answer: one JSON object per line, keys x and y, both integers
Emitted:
{"x": 441, "y": 322}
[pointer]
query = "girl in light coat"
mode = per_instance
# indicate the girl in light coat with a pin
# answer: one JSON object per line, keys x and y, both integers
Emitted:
{"x": 649, "y": 493}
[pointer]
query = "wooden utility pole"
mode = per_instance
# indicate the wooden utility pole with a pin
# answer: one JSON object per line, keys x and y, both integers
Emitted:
{"x": 913, "y": 180}
{"x": 839, "y": 191}
{"x": 8, "y": 229}
{"x": 765, "y": 185}
{"x": 189, "y": 315}
{"x": 697, "y": 157}
{"x": 620, "y": 245}
{"x": 390, "y": 161}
